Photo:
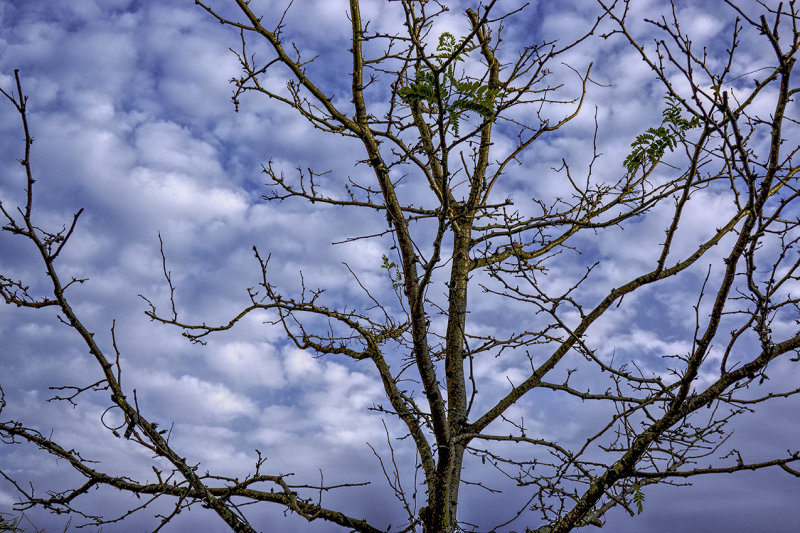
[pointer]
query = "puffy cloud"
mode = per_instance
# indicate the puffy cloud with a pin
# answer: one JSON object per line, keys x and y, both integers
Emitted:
{"x": 248, "y": 365}
{"x": 191, "y": 399}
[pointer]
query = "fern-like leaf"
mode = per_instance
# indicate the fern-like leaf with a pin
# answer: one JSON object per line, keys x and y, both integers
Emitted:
{"x": 651, "y": 145}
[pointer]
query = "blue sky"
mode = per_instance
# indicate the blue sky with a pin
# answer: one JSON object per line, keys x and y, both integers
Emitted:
{"x": 130, "y": 108}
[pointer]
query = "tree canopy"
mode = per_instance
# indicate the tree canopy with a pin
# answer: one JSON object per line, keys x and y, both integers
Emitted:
{"x": 576, "y": 332}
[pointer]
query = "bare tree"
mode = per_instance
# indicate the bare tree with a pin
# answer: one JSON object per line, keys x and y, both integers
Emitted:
{"x": 457, "y": 237}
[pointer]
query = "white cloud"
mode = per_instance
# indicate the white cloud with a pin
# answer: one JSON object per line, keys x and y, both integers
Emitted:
{"x": 248, "y": 365}
{"x": 191, "y": 399}
{"x": 301, "y": 365}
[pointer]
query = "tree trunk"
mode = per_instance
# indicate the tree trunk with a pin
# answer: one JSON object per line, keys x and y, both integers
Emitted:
{"x": 441, "y": 514}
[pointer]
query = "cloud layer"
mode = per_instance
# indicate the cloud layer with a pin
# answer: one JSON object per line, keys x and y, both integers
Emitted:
{"x": 130, "y": 107}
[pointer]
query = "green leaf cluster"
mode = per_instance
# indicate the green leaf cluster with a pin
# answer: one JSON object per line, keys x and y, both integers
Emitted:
{"x": 638, "y": 498}
{"x": 651, "y": 145}
{"x": 455, "y": 95}
{"x": 394, "y": 273}
{"x": 11, "y": 526}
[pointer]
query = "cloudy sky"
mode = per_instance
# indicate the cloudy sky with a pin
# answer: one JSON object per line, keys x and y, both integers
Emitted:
{"x": 130, "y": 106}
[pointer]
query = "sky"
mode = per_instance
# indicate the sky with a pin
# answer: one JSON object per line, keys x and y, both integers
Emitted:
{"x": 130, "y": 107}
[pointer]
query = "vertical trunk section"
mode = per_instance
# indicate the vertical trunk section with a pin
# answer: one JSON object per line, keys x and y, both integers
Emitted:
{"x": 443, "y": 500}
{"x": 441, "y": 514}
